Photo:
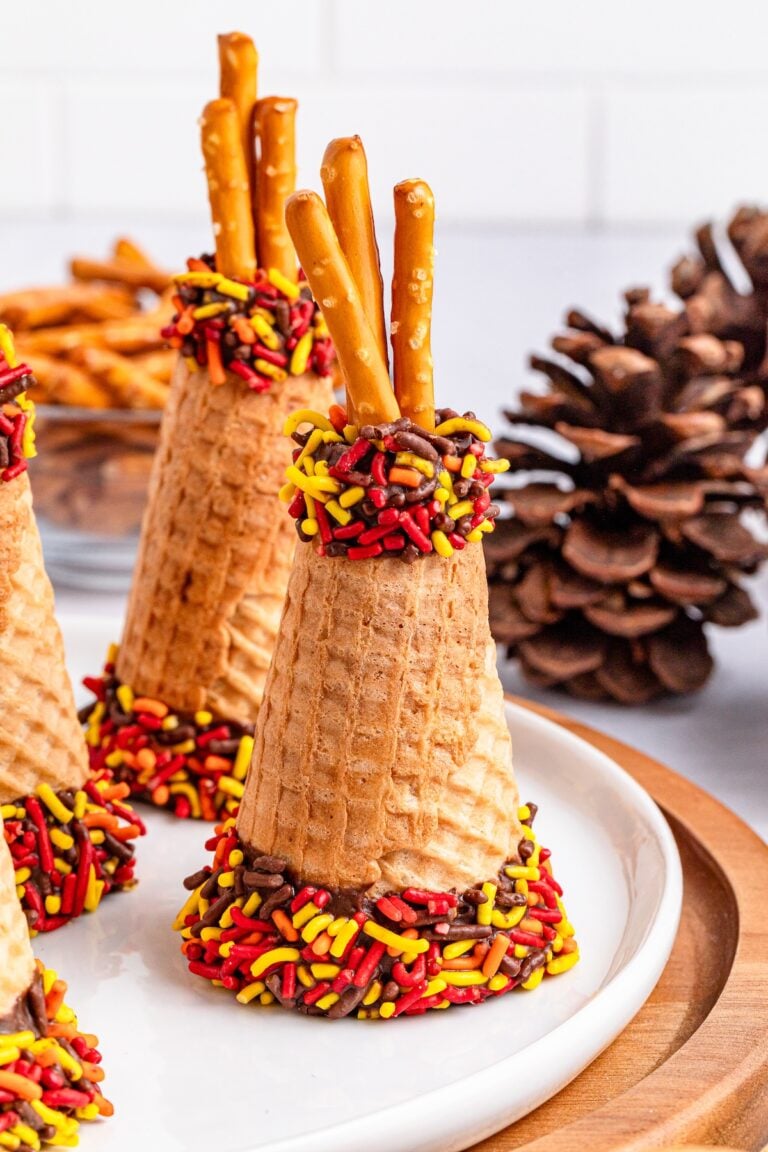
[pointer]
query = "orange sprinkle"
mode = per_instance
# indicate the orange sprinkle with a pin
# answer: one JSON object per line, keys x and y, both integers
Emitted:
{"x": 284, "y": 924}
{"x": 146, "y": 758}
{"x": 408, "y": 477}
{"x": 55, "y": 998}
{"x": 195, "y": 265}
{"x": 116, "y": 791}
{"x": 207, "y": 806}
{"x": 20, "y": 1086}
{"x": 153, "y": 707}
{"x": 461, "y": 964}
{"x": 496, "y": 954}
{"x": 216, "y": 372}
{"x": 452, "y": 463}
{"x": 130, "y": 832}
{"x": 531, "y": 925}
{"x": 101, "y": 820}
{"x": 216, "y": 764}
{"x": 64, "y": 1032}
{"x": 161, "y": 796}
{"x": 322, "y": 945}
{"x": 337, "y": 416}
{"x": 244, "y": 331}
{"x": 104, "y": 1106}
{"x": 569, "y": 945}
{"x": 186, "y": 321}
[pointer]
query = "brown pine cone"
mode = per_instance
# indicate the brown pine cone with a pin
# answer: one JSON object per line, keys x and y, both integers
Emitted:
{"x": 629, "y": 477}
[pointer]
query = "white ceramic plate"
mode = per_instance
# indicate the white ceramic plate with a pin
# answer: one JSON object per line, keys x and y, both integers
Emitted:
{"x": 188, "y": 1069}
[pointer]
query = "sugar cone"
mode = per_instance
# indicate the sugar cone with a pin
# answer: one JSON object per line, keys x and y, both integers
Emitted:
{"x": 17, "y": 964}
{"x": 382, "y": 758}
{"x": 216, "y": 546}
{"x": 40, "y": 738}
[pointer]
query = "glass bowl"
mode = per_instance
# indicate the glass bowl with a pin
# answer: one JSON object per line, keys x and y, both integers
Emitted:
{"x": 89, "y": 483}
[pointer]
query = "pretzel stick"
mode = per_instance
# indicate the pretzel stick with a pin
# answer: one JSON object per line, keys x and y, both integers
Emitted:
{"x": 125, "y": 249}
{"x": 119, "y": 271}
{"x": 238, "y": 68}
{"x": 334, "y": 288}
{"x": 412, "y": 284}
{"x": 228, "y": 190}
{"x": 344, "y": 173}
{"x": 275, "y": 128}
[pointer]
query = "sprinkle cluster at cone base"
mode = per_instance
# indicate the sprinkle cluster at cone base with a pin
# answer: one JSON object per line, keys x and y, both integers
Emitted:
{"x": 49, "y": 1071}
{"x": 390, "y": 489}
{"x": 262, "y": 330}
{"x": 70, "y": 849}
{"x": 17, "y": 412}
{"x": 192, "y": 764}
{"x": 248, "y": 927}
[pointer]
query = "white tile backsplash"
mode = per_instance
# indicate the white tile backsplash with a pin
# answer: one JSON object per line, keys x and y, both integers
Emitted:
{"x": 555, "y": 113}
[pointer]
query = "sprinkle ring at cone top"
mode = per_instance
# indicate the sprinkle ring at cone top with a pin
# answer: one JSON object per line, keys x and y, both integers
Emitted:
{"x": 249, "y": 927}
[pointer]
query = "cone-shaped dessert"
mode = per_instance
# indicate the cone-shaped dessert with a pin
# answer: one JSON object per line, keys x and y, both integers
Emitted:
{"x": 49, "y": 1071}
{"x": 380, "y": 863}
{"x": 177, "y": 704}
{"x": 61, "y": 852}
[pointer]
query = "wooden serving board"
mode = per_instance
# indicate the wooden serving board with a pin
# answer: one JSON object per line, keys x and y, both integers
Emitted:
{"x": 692, "y": 1067}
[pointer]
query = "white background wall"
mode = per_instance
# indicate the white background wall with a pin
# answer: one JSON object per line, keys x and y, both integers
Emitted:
{"x": 597, "y": 113}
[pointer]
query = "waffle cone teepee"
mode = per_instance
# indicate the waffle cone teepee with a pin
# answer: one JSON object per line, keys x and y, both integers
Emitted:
{"x": 17, "y": 964}
{"x": 48, "y": 1078}
{"x": 183, "y": 692}
{"x": 382, "y": 757}
{"x": 44, "y": 780}
{"x": 40, "y": 740}
{"x": 381, "y": 863}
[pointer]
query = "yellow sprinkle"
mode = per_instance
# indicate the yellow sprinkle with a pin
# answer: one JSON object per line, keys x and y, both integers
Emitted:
{"x": 243, "y": 758}
{"x": 310, "y": 527}
{"x": 441, "y": 494}
{"x": 494, "y": 465}
{"x": 7, "y": 346}
{"x": 18, "y": 1039}
{"x": 184, "y": 748}
{"x": 227, "y": 880}
{"x": 533, "y": 980}
{"x": 566, "y": 929}
{"x": 497, "y": 982}
{"x": 557, "y": 944}
{"x": 53, "y": 804}
{"x": 305, "y": 914}
{"x": 458, "y": 948}
{"x": 265, "y": 331}
{"x": 97, "y": 836}
{"x": 334, "y": 929}
{"x": 272, "y": 370}
{"x": 468, "y": 466}
{"x": 250, "y": 992}
{"x": 190, "y": 793}
{"x": 313, "y": 929}
{"x": 252, "y": 904}
{"x": 283, "y": 284}
{"x": 350, "y": 433}
{"x": 312, "y": 444}
{"x": 352, "y": 496}
{"x": 322, "y": 468}
{"x": 306, "y": 416}
{"x": 231, "y": 786}
{"x": 305, "y": 976}
{"x": 8, "y": 1055}
{"x": 459, "y": 424}
{"x": 392, "y": 940}
{"x": 7, "y": 1140}
{"x": 328, "y": 1000}
{"x": 387, "y": 1010}
{"x": 53, "y": 905}
{"x": 232, "y": 288}
{"x": 345, "y": 936}
{"x": 114, "y": 759}
{"x": 206, "y": 311}
{"x": 235, "y": 858}
{"x": 521, "y": 887}
{"x": 435, "y": 986}
{"x": 266, "y": 998}
{"x": 199, "y": 279}
{"x": 509, "y": 919}
{"x": 562, "y": 963}
{"x": 68, "y": 1062}
{"x": 314, "y": 484}
{"x": 188, "y": 909}
{"x": 411, "y": 460}
{"x": 8, "y": 812}
{"x": 321, "y": 328}
{"x": 474, "y": 537}
{"x": 464, "y": 979}
{"x": 274, "y": 956}
{"x": 372, "y": 994}
{"x": 286, "y": 493}
{"x": 27, "y": 1135}
{"x": 332, "y": 438}
{"x": 203, "y": 717}
{"x": 22, "y": 875}
{"x": 65, "y": 1015}
{"x": 301, "y": 354}
{"x": 520, "y": 951}
{"x": 340, "y": 515}
{"x": 211, "y": 933}
{"x": 463, "y": 508}
{"x": 441, "y": 544}
{"x": 486, "y": 526}
{"x": 325, "y": 971}
{"x": 521, "y": 872}
{"x": 484, "y": 911}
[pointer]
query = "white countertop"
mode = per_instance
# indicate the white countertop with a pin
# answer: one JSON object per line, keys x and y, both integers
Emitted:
{"x": 498, "y": 297}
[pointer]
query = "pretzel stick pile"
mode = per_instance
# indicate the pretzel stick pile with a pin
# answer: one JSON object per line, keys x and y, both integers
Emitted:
{"x": 339, "y": 255}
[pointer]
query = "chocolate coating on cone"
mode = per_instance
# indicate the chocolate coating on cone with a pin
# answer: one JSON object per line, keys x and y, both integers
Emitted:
{"x": 40, "y": 738}
{"x": 216, "y": 546}
{"x": 382, "y": 757}
{"x": 17, "y": 965}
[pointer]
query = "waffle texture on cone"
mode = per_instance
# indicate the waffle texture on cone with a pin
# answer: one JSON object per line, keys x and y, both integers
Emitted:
{"x": 40, "y": 738}
{"x": 50, "y": 1074}
{"x": 382, "y": 757}
{"x": 216, "y": 549}
{"x": 252, "y": 927}
{"x": 17, "y": 964}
